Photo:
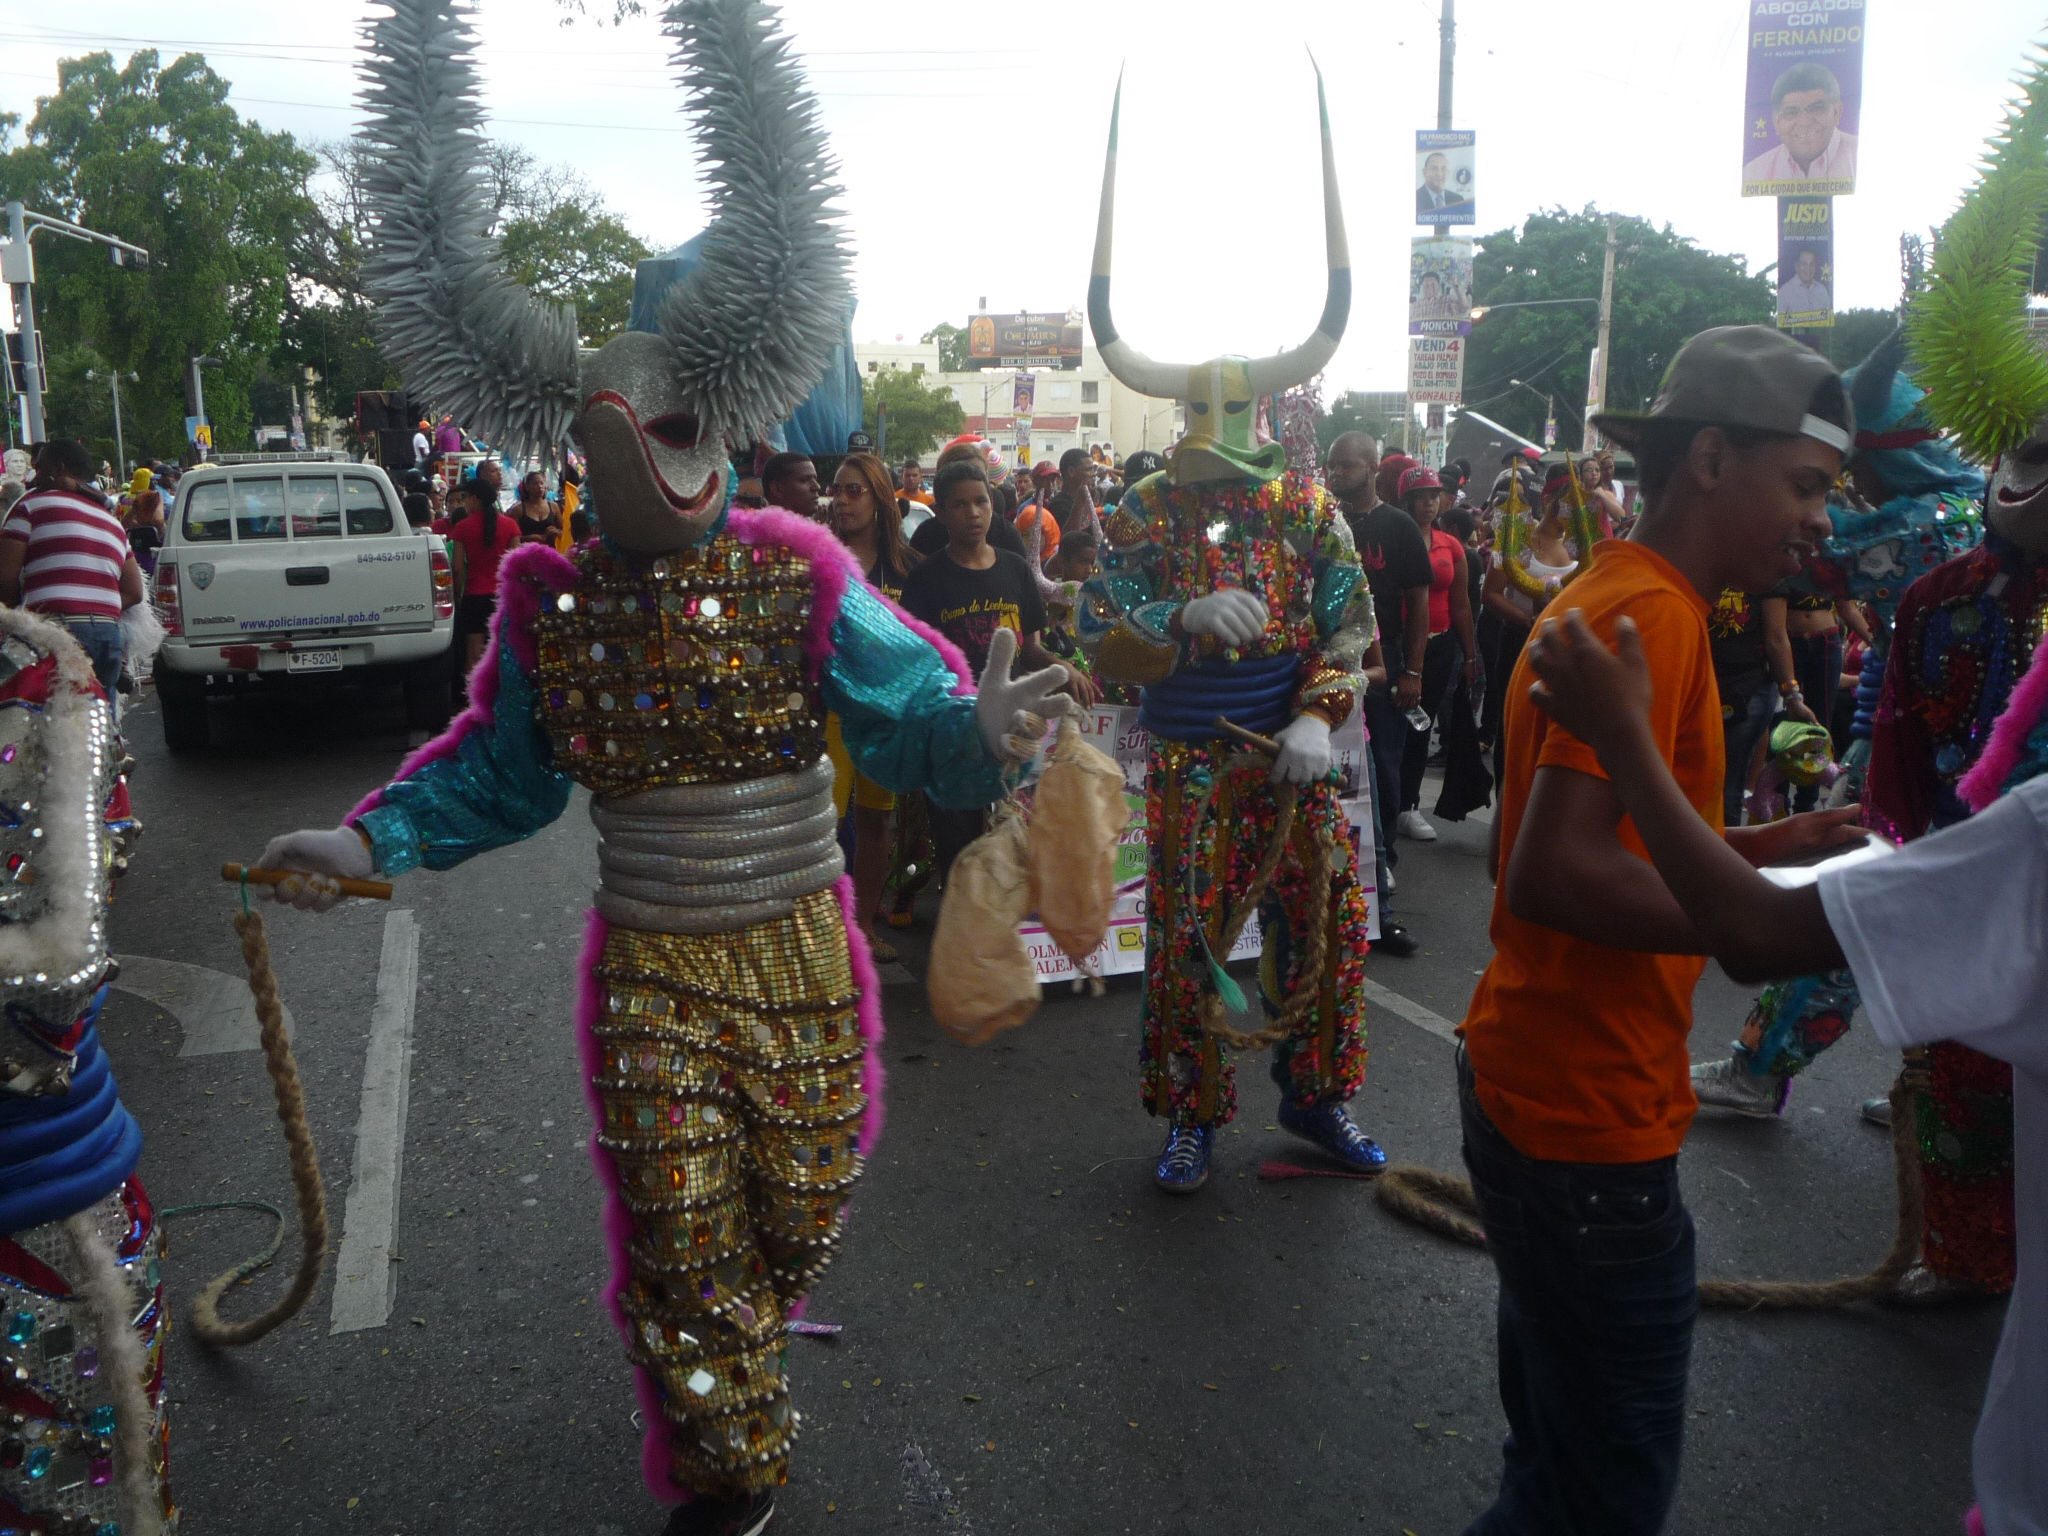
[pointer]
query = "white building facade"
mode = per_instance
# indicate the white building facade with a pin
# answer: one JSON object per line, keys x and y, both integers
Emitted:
{"x": 1074, "y": 408}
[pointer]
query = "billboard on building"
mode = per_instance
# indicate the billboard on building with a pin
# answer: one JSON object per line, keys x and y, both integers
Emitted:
{"x": 1806, "y": 263}
{"x": 1443, "y": 176}
{"x": 1804, "y": 100}
{"x": 1440, "y": 287}
{"x": 1025, "y": 341}
{"x": 1436, "y": 370}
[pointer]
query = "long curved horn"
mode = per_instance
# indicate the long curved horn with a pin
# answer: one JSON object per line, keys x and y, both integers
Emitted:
{"x": 464, "y": 336}
{"x": 754, "y": 323}
{"x": 1132, "y": 368}
{"x": 1270, "y": 375}
{"x": 1870, "y": 381}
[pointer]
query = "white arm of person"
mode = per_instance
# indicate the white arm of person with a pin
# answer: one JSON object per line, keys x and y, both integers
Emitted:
{"x": 1304, "y": 750}
{"x": 1012, "y": 711}
{"x": 317, "y": 861}
{"x": 1231, "y": 614}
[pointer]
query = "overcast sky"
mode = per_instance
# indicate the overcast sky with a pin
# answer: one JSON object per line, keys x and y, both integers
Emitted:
{"x": 972, "y": 135}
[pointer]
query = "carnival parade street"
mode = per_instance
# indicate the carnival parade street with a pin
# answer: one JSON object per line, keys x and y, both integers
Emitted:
{"x": 1035, "y": 1340}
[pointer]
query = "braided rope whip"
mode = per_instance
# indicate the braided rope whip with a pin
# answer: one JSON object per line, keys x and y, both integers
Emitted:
{"x": 207, "y": 1322}
{"x": 1308, "y": 980}
{"x": 1446, "y": 1205}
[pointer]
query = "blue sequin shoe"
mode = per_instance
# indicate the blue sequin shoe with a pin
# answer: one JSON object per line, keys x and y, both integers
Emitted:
{"x": 1329, "y": 1127}
{"x": 1184, "y": 1161}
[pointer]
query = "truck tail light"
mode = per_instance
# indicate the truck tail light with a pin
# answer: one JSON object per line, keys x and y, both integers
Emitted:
{"x": 444, "y": 586}
{"x": 168, "y": 608}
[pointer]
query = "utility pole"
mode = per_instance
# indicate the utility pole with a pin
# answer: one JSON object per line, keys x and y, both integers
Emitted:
{"x": 1447, "y": 52}
{"x": 18, "y": 270}
{"x": 120, "y": 442}
{"x": 1596, "y": 401}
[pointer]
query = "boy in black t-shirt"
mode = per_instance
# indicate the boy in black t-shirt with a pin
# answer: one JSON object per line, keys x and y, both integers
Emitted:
{"x": 967, "y": 591}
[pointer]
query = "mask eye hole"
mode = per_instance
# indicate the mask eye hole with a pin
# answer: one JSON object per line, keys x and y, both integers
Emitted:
{"x": 679, "y": 431}
{"x": 1236, "y": 407}
{"x": 1199, "y": 407}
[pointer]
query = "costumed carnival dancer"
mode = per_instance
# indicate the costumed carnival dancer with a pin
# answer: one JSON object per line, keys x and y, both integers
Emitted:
{"x": 680, "y": 666}
{"x": 1962, "y": 636}
{"x": 84, "y": 1438}
{"x": 1229, "y": 586}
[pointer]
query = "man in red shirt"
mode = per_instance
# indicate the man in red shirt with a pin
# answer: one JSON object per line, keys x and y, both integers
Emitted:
{"x": 64, "y": 554}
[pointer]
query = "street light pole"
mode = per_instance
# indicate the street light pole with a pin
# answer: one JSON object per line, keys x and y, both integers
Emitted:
{"x": 17, "y": 262}
{"x": 120, "y": 443}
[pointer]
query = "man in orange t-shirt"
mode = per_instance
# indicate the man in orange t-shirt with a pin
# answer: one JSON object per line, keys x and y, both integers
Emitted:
{"x": 1574, "y": 1072}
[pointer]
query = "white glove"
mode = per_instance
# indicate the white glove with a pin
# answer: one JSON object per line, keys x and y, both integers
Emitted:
{"x": 1231, "y": 614}
{"x": 1012, "y": 711}
{"x": 315, "y": 859}
{"x": 1304, "y": 750}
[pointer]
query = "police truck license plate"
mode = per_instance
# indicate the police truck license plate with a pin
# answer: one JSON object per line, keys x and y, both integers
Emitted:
{"x": 313, "y": 661}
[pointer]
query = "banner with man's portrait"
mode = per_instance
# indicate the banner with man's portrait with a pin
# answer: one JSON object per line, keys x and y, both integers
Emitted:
{"x": 1804, "y": 99}
{"x": 1443, "y": 176}
{"x": 1806, "y": 263}
{"x": 1440, "y": 287}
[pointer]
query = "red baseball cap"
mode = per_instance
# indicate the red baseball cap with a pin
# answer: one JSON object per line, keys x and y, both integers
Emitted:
{"x": 1420, "y": 478}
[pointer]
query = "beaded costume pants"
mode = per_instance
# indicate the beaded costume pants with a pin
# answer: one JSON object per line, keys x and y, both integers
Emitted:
{"x": 58, "y": 1471}
{"x": 727, "y": 1074}
{"x": 1963, "y": 1122}
{"x": 1197, "y": 858}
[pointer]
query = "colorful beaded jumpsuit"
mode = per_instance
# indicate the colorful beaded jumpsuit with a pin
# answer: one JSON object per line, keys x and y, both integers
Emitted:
{"x": 1225, "y": 515}
{"x": 84, "y": 1437}
{"x": 680, "y": 668}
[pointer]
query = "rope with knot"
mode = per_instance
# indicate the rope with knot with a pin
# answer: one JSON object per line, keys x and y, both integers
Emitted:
{"x": 1301, "y": 997}
{"x": 1446, "y": 1205}
{"x": 311, "y": 1194}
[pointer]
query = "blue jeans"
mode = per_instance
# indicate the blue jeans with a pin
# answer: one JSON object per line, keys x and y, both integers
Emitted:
{"x": 1595, "y": 1319}
{"x": 1745, "y": 720}
{"x": 101, "y": 639}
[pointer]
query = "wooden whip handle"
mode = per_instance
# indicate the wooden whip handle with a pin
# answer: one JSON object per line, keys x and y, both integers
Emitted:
{"x": 376, "y": 890}
{"x": 1265, "y": 744}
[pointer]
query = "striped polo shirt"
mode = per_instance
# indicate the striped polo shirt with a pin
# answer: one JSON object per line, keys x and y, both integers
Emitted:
{"x": 76, "y": 550}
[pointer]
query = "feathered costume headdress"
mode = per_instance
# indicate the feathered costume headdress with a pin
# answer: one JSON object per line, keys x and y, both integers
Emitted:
{"x": 1986, "y": 380}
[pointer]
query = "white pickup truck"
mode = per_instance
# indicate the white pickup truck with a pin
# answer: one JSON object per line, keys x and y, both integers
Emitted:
{"x": 298, "y": 572}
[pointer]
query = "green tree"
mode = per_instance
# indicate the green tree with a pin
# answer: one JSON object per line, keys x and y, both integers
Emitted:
{"x": 952, "y": 340}
{"x": 580, "y": 254}
{"x": 158, "y": 157}
{"x": 1349, "y": 413}
{"x": 919, "y": 415}
{"x": 1665, "y": 289}
{"x": 1855, "y": 332}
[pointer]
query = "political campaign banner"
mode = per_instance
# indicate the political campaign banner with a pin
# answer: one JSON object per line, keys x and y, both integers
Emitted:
{"x": 1443, "y": 176}
{"x": 1806, "y": 263}
{"x": 1114, "y": 729}
{"x": 1436, "y": 370}
{"x": 1024, "y": 396}
{"x": 1804, "y": 98}
{"x": 1440, "y": 286}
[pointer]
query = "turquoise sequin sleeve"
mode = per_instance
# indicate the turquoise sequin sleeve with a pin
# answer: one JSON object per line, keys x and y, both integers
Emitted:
{"x": 498, "y": 786}
{"x": 903, "y": 725}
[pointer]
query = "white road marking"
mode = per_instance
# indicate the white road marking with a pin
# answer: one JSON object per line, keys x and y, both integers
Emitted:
{"x": 1413, "y": 1012}
{"x": 363, "y": 1278}
{"x": 214, "y": 1009}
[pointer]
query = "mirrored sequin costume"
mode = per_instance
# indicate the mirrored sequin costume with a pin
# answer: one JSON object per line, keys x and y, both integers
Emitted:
{"x": 1284, "y": 541}
{"x": 1225, "y": 513}
{"x": 84, "y": 1439}
{"x": 729, "y": 1015}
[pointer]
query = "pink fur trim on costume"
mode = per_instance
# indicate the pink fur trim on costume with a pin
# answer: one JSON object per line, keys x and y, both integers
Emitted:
{"x": 618, "y": 1221}
{"x": 2023, "y": 711}
{"x": 519, "y": 601}
{"x": 1973, "y": 1522}
{"x": 867, "y": 987}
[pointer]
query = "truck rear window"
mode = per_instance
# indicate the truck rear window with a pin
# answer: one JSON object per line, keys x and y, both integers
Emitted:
{"x": 363, "y": 504}
{"x": 315, "y": 506}
{"x": 206, "y": 513}
{"x": 259, "y": 509}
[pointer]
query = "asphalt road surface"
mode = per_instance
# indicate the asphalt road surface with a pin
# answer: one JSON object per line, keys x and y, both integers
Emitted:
{"x": 1034, "y": 1339}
